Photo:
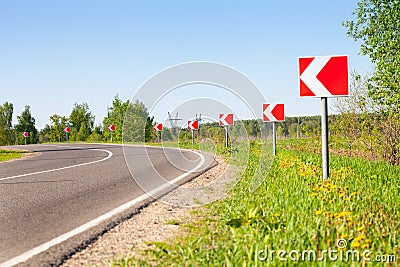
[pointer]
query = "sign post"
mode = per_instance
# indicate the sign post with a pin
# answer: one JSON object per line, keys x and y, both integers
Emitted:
{"x": 67, "y": 130}
{"x": 193, "y": 125}
{"x": 273, "y": 113}
{"x": 25, "y": 135}
{"x": 158, "y": 127}
{"x": 324, "y": 76}
{"x": 111, "y": 129}
{"x": 226, "y": 120}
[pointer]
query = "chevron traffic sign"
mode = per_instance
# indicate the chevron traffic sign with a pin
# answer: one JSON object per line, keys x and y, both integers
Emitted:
{"x": 273, "y": 112}
{"x": 111, "y": 127}
{"x": 158, "y": 127}
{"x": 323, "y": 76}
{"x": 226, "y": 119}
{"x": 25, "y": 134}
{"x": 193, "y": 125}
{"x": 67, "y": 129}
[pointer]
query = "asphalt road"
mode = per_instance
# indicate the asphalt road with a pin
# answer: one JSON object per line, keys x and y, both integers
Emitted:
{"x": 66, "y": 194}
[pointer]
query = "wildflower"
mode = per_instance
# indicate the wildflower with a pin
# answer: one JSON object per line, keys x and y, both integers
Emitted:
{"x": 345, "y": 236}
{"x": 355, "y": 244}
{"x": 318, "y": 212}
{"x": 359, "y": 238}
{"x": 314, "y": 194}
{"x": 359, "y": 229}
{"x": 365, "y": 246}
{"x": 367, "y": 241}
{"x": 277, "y": 215}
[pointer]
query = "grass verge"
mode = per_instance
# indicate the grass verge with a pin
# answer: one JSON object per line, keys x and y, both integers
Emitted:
{"x": 294, "y": 218}
{"x": 9, "y": 154}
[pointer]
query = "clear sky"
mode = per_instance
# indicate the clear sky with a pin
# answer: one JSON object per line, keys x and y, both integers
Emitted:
{"x": 56, "y": 53}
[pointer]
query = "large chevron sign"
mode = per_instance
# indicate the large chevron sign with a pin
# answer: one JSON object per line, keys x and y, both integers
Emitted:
{"x": 323, "y": 76}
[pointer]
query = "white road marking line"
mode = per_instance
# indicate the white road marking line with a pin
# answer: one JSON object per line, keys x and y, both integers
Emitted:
{"x": 110, "y": 154}
{"x": 45, "y": 246}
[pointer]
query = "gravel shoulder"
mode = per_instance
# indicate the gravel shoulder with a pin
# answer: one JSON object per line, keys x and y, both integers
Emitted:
{"x": 158, "y": 222}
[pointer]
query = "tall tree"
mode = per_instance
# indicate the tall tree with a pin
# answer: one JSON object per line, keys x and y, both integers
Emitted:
{"x": 6, "y": 132}
{"x": 26, "y": 123}
{"x": 56, "y": 129}
{"x": 136, "y": 122}
{"x": 115, "y": 115}
{"x": 82, "y": 122}
{"x": 377, "y": 26}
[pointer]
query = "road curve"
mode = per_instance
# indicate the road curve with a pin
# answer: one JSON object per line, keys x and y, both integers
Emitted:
{"x": 69, "y": 193}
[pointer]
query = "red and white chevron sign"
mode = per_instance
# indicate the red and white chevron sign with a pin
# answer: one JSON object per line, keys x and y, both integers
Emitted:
{"x": 111, "y": 127}
{"x": 67, "y": 129}
{"x": 25, "y": 134}
{"x": 193, "y": 125}
{"x": 226, "y": 119}
{"x": 323, "y": 76}
{"x": 158, "y": 127}
{"x": 273, "y": 112}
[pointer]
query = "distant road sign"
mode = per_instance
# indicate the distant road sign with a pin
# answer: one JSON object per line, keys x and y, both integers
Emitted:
{"x": 67, "y": 129}
{"x": 323, "y": 76}
{"x": 158, "y": 127}
{"x": 226, "y": 119}
{"x": 111, "y": 127}
{"x": 193, "y": 125}
{"x": 273, "y": 112}
{"x": 25, "y": 134}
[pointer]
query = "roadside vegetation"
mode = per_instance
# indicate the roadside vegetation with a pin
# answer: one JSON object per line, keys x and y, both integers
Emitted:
{"x": 293, "y": 210}
{"x": 9, "y": 154}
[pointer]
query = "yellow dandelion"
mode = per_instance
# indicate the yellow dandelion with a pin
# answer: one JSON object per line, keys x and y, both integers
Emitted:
{"x": 359, "y": 238}
{"x": 355, "y": 244}
{"x": 365, "y": 246}
{"x": 367, "y": 241}
{"x": 277, "y": 215}
{"x": 359, "y": 229}
{"x": 318, "y": 212}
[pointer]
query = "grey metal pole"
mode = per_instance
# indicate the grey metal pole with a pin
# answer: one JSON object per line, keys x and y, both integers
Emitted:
{"x": 226, "y": 136}
{"x": 325, "y": 138}
{"x": 66, "y": 136}
{"x": 274, "y": 136}
{"x": 159, "y": 137}
{"x": 111, "y": 136}
{"x": 192, "y": 137}
{"x": 25, "y": 140}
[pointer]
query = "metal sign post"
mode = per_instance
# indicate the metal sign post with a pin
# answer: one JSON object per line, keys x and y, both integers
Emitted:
{"x": 273, "y": 113}
{"x": 226, "y": 136}
{"x": 325, "y": 138}
{"x": 192, "y": 137}
{"x": 274, "y": 136}
{"x": 324, "y": 76}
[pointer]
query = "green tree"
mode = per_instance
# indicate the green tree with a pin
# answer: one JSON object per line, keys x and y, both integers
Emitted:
{"x": 377, "y": 26}
{"x": 56, "y": 130}
{"x": 26, "y": 123}
{"x": 6, "y": 131}
{"x": 136, "y": 123}
{"x": 115, "y": 115}
{"x": 82, "y": 122}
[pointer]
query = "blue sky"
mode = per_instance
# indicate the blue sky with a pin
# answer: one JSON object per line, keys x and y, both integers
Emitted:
{"x": 56, "y": 53}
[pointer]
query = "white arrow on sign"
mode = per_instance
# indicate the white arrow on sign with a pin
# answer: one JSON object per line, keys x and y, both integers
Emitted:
{"x": 226, "y": 119}
{"x": 273, "y": 112}
{"x": 309, "y": 76}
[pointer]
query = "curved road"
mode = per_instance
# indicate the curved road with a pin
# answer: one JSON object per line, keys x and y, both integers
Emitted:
{"x": 66, "y": 194}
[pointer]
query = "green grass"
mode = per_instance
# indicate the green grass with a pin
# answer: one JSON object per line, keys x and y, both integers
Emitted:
{"x": 292, "y": 210}
{"x": 8, "y": 154}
